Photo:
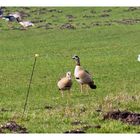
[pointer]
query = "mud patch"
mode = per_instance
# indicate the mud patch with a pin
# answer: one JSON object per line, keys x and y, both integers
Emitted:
{"x": 48, "y": 107}
{"x": 5, "y": 110}
{"x": 75, "y": 131}
{"x": 124, "y": 116}
{"x": 46, "y": 26}
{"x": 77, "y": 122}
{"x": 101, "y": 23}
{"x": 128, "y": 21}
{"x": 107, "y": 11}
{"x": 83, "y": 129}
{"x": 70, "y": 16}
{"x": 132, "y": 8}
{"x": 12, "y": 127}
{"x": 88, "y": 16}
{"x": 104, "y": 15}
{"x": 67, "y": 26}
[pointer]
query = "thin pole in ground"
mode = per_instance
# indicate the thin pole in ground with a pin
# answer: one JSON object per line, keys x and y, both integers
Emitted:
{"x": 29, "y": 86}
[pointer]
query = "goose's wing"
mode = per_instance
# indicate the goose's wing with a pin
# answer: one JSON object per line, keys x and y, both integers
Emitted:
{"x": 64, "y": 83}
{"x": 86, "y": 71}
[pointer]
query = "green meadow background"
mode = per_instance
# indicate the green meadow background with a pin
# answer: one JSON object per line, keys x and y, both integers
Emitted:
{"x": 107, "y": 40}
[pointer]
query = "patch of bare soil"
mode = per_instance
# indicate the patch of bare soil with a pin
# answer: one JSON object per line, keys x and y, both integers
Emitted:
{"x": 70, "y": 16}
{"x": 67, "y": 26}
{"x": 128, "y": 21}
{"x": 107, "y": 10}
{"x": 45, "y": 26}
{"x": 48, "y": 107}
{"x": 12, "y": 127}
{"x": 5, "y": 110}
{"x": 132, "y": 8}
{"x": 101, "y": 24}
{"x": 124, "y": 116}
{"x": 82, "y": 129}
{"x": 104, "y": 15}
{"x": 88, "y": 16}
{"x": 75, "y": 131}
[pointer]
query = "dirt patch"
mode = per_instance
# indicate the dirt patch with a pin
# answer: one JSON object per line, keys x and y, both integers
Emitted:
{"x": 101, "y": 24}
{"x": 67, "y": 26}
{"x": 48, "y": 107}
{"x": 132, "y": 8}
{"x": 104, "y": 15}
{"x": 107, "y": 11}
{"x": 75, "y": 131}
{"x": 24, "y": 14}
{"x": 128, "y": 21}
{"x": 124, "y": 116}
{"x": 70, "y": 16}
{"x": 5, "y": 110}
{"x": 46, "y": 26}
{"x": 12, "y": 127}
{"x": 93, "y": 11}
{"x": 88, "y": 16}
{"x": 38, "y": 21}
{"x": 54, "y": 10}
{"x": 83, "y": 129}
{"x": 77, "y": 122}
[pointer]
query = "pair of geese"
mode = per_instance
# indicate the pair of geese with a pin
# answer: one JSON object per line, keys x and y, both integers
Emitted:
{"x": 82, "y": 77}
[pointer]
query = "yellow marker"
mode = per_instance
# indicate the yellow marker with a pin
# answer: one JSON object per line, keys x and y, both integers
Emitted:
{"x": 36, "y": 55}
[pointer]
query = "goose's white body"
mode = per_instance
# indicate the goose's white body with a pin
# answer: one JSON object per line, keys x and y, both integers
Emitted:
{"x": 26, "y": 23}
{"x": 82, "y": 76}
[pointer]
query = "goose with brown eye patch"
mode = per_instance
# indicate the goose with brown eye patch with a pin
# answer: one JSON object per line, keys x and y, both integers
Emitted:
{"x": 82, "y": 76}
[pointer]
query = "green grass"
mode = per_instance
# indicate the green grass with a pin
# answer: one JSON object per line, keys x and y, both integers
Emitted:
{"x": 108, "y": 52}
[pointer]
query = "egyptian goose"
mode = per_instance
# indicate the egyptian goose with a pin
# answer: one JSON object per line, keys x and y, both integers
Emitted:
{"x": 25, "y": 24}
{"x": 82, "y": 76}
{"x": 65, "y": 83}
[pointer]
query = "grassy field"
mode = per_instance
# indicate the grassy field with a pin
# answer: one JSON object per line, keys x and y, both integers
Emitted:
{"x": 107, "y": 41}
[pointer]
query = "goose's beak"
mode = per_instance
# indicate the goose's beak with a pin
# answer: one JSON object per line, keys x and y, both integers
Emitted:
{"x": 73, "y": 57}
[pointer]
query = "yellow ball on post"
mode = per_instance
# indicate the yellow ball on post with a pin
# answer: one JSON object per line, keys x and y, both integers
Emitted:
{"x": 36, "y": 55}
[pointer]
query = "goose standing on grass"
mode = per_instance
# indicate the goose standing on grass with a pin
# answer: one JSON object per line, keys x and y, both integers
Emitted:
{"x": 65, "y": 83}
{"x": 25, "y": 24}
{"x": 82, "y": 76}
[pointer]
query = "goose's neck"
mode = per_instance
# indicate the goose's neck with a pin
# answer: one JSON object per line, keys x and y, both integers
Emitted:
{"x": 78, "y": 63}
